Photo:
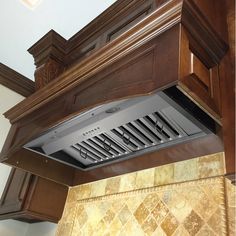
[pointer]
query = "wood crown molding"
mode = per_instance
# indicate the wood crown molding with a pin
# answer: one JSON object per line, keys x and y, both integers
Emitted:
{"x": 162, "y": 19}
{"x": 15, "y": 81}
{"x": 194, "y": 21}
{"x": 50, "y": 46}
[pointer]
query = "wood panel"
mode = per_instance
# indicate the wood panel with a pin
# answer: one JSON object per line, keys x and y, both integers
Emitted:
{"x": 147, "y": 57}
{"x": 31, "y": 199}
{"x": 227, "y": 71}
{"x": 199, "y": 77}
{"x": 15, "y": 192}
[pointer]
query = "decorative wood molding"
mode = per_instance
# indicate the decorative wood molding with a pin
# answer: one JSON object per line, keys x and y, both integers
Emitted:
{"x": 89, "y": 82}
{"x": 52, "y": 45}
{"x": 163, "y": 18}
{"x": 203, "y": 33}
{"x": 15, "y": 81}
{"x": 144, "y": 31}
{"x": 49, "y": 53}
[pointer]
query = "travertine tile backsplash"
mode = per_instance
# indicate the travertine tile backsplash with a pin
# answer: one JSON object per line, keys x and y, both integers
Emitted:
{"x": 184, "y": 198}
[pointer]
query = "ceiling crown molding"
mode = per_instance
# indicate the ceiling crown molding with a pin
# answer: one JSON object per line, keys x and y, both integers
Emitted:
{"x": 15, "y": 81}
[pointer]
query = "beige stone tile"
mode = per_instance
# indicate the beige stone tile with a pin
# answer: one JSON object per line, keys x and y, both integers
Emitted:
{"x": 109, "y": 216}
{"x": 164, "y": 175}
{"x": 128, "y": 182}
{"x": 141, "y": 213}
{"x": 113, "y": 185}
{"x": 88, "y": 230}
{"x": 69, "y": 213}
{"x": 205, "y": 207}
{"x": 131, "y": 228}
{"x": 180, "y": 207}
{"x": 94, "y": 213}
{"x": 149, "y": 225}
{"x": 193, "y": 223}
{"x": 193, "y": 195}
{"x": 81, "y": 218}
{"x": 101, "y": 228}
{"x": 72, "y": 195}
{"x": 181, "y": 231}
{"x": 186, "y": 170}
{"x": 83, "y": 191}
{"x": 159, "y": 232}
{"x": 211, "y": 165}
{"x": 159, "y": 212}
{"x": 124, "y": 214}
{"x": 117, "y": 205}
{"x": 169, "y": 224}
{"x": 232, "y": 220}
{"x": 133, "y": 204}
{"x": 145, "y": 178}
{"x": 151, "y": 201}
{"x": 115, "y": 227}
{"x": 205, "y": 231}
{"x": 216, "y": 222}
{"x": 214, "y": 192}
{"x": 231, "y": 193}
{"x": 98, "y": 188}
{"x": 167, "y": 195}
{"x": 104, "y": 206}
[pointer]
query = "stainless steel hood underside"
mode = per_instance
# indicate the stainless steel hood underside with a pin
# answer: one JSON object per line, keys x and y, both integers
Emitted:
{"x": 124, "y": 129}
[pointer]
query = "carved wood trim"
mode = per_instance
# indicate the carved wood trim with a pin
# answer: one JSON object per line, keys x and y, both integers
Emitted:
{"x": 52, "y": 45}
{"x": 15, "y": 81}
{"x": 150, "y": 27}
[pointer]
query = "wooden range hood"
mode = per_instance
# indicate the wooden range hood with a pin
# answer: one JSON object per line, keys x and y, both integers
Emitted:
{"x": 134, "y": 48}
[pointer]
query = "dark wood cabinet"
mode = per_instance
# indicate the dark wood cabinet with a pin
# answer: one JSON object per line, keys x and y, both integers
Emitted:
{"x": 29, "y": 198}
{"x": 134, "y": 48}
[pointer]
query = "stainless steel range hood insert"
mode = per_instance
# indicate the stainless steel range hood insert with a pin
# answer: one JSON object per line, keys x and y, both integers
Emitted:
{"x": 124, "y": 129}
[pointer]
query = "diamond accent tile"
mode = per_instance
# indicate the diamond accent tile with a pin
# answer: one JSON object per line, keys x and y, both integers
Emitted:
{"x": 193, "y": 223}
{"x": 149, "y": 225}
{"x": 124, "y": 214}
{"x": 181, "y": 231}
{"x": 144, "y": 203}
{"x": 205, "y": 231}
{"x": 180, "y": 207}
{"x": 205, "y": 207}
{"x": 216, "y": 222}
{"x": 169, "y": 224}
{"x": 141, "y": 213}
{"x": 109, "y": 216}
{"x": 150, "y": 201}
{"x": 159, "y": 212}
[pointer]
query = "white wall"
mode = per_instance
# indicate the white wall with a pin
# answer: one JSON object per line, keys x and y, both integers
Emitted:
{"x": 41, "y": 229}
{"x": 8, "y": 99}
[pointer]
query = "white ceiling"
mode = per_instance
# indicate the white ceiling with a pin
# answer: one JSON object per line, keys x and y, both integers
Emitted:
{"x": 21, "y": 27}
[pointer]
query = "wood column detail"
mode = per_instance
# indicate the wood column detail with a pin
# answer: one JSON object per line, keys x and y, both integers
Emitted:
{"x": 49, "y": 53}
